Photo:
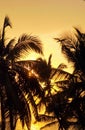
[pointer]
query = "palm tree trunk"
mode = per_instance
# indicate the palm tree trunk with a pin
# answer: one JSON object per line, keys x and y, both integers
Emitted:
{"x": 2, "y": 114}
{"x": 3, "y": 35}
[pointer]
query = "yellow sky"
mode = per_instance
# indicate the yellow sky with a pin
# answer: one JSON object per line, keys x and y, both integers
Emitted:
{"x": 45, "y": 18}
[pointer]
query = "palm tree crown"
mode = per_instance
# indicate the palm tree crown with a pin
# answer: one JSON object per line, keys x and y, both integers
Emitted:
{"x": 70, "y": 103}
{"x": 14, "y": 79}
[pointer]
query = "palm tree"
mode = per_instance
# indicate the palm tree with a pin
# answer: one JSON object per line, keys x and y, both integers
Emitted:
{"x": 50, "y": 79}
{"x": 71, "y": 108}
{"x": 47, "y": 74}
{"x": 74, "y": 49}
{"x": 68, "y": 105}
{"x": 14, "y": 79}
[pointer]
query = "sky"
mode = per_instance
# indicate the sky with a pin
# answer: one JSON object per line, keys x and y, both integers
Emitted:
{"x": 44, "y": 18}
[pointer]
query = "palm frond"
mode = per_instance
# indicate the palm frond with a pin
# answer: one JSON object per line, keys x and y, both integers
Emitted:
{"x": 32, "y": 41}
{"x": 23, "y": 38}
{"x": 49, "y": 60}
{"x": 12, "y": 117}
{"x": 26, "y": 117}
{"x": 58, "y": 74}
{"x": 7, "y": 22}
{"x": 33, "y": 105}
{"x": 69, "y": 45}
{"x": 9, "y": 46}
{"x": 41, "y": 64}
{"x": 61, "y": 40}
{"x": 18, "y": 102}
{"x": 68, "y": 53}
{"x": 62, "y": 84}
{"x": 27, "y": 63}
{"x": 46, "y": 118}
{"x": 30, "y": 87}
{"x": 62, "y": 66}
{"x": 79, "y": 34}
{"x": 26, "y": 43}
{"x": 49, "y": 125}
{"x": 80, "y": 40}
{"x": 31, "y": 82}
{"x": 21, "y": 70}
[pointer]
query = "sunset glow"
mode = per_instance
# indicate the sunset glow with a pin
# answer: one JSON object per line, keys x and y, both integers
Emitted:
{"x": 43, "y": 18}
{"x": 46, "y": 19}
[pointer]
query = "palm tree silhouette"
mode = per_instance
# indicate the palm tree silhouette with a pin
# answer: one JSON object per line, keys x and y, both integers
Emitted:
{"x": 74, "y": 49}
{"x": 50, "y": 79}
{"x": 46, "y": 74}
{"x": 14, "y": 79}
{"x": 69, "y": 105}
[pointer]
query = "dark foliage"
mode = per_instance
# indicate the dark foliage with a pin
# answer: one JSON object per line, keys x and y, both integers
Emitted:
{"x": 15, "y": 84}
{"x": 69, "y": 104}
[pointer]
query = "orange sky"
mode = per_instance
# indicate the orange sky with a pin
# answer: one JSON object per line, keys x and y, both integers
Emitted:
{"x": 45, "y": 18}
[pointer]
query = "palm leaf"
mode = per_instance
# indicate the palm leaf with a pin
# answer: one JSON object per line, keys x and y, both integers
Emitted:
{"x": 58, "y": 74}
{"x": 27, "y": 63}
{"x": 49, "y": 125}
{"x": 30, "y": 88}
{"x": 9, "y": 46}
{"x": 69, "y": 54}
{"x": 12, "y": 117}
{"x": 25, "y": 44}
{"x": 22, "y": 71}
{"x": 20, "y": 104}
{"x": 69, "y": 45}
{"x": 80, "y": 36}
{"x": 61, "y": 40}
{"x": 32, "y": 42}
{"x": 49, "y": 60}
{"x": 7, "y": 22}
{"x": 33, "y": 105}
{"x": 46, "y": 118}
{"x": 62, "y": 84}
{"x": 62, "y": 66}
{"x": 42, "y": 64}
